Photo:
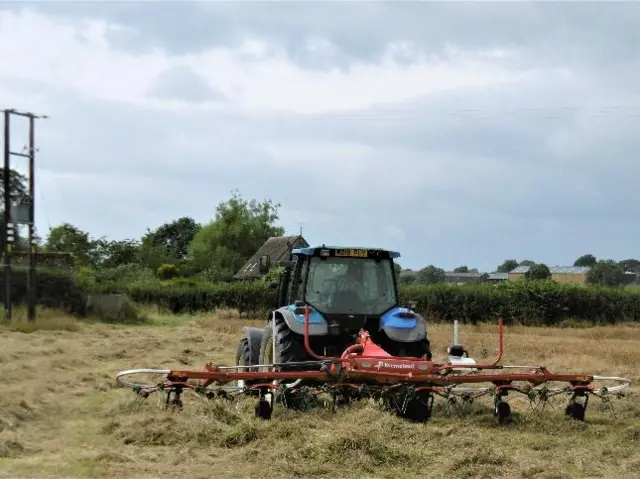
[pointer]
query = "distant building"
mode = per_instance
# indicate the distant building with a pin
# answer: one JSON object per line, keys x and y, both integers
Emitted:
{"x": 497, "y": 277}
{"x": 463, "y": 278}
{"x": 560, "y": 274}
{"x": 278, "y": 248}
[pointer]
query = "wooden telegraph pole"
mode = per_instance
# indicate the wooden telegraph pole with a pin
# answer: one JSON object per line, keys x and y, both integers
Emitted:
{"x": 17, "y": 211}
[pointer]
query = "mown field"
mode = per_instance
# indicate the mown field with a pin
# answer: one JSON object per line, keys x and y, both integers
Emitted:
{"x": 62, "y": 416}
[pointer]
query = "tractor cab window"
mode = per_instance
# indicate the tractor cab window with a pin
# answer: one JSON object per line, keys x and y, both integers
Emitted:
{"x": 350, "y": 286}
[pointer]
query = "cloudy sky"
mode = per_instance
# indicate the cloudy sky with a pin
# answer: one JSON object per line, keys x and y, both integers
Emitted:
{"x": 457, "y": 133}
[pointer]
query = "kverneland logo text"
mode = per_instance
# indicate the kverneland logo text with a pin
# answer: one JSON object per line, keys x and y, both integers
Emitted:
{"x": 383, "y": 364}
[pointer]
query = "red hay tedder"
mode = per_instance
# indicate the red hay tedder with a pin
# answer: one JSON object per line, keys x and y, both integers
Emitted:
{"x": 407, "y": 386}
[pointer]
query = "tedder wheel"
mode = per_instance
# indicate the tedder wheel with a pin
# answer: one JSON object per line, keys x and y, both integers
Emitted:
{"x": 576, "y": 411}
{"x": 503, "y": 412}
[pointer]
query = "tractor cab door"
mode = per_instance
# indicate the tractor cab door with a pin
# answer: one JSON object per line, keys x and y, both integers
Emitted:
{"x": 295, "y": 289}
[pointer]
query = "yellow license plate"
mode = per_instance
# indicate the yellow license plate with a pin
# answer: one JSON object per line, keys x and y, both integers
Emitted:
{"x": 352, "y": 253}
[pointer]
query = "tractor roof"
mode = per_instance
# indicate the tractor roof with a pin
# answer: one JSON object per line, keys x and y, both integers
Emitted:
{"x": 313, "y": 250}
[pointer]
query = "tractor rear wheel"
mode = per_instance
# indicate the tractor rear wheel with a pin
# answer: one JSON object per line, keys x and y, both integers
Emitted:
{"x": 243, "y": 358}
{"x": 289, "y": 346}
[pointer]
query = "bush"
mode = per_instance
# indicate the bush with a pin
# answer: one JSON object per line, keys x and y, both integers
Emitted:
{"x": 525, "y": 302}
{"x": 168, "y": 271}
{"x": 189, "y": 295}
{"x": 54, "y": 289}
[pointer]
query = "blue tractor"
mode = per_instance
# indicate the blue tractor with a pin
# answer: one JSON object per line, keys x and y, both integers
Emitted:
{"x": 346, "y": 290}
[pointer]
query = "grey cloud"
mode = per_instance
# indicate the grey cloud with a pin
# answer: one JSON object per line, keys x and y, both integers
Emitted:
{"x": 182, "y": 83}
{"x": 585, "y": 33}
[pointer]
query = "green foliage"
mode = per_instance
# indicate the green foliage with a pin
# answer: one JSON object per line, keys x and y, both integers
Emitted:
{"x": 54, "y": 289}
{"x": 524, "y": 302}
{"x": 461, "y": 269}
{"x": 585, "y": 260}
{"x": 67, "y": 238}
{"x": 168, "y": 244}
{"x": 430, "y": 275}
{"x": 273, "y": 276}
{"x": 188, "y": 295}
{"x": 239, "y": 229}
{"x": 538, "y": 272}
{"x": 606, "y": 273}
{"x": 508, "y": 265}
{"x": 168, "y": 271}
{"x": 111, "y": 254}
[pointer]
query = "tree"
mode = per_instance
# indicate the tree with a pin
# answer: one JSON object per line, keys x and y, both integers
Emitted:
{"x": 66, "y": 238}
{"x": 461, "y": 269}
{"x": 168, "y": 243}
{"x": 430, "y": 275}
{"x": 526, "y": 262}
{"x": 606, "y": 273}
{"x": 111, "y": 254}
{"x": 239, "y": 229}
{"x": 585, "y": 260}
{"x": 538, "y": 271}
{"x": 508, "y": 265}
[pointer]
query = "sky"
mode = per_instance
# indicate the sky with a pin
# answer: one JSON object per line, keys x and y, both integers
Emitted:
{"x": 459, "y": 133}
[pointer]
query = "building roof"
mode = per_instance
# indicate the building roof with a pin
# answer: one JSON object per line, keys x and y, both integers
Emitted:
{"x": 472, "y": 275}
{"x": 498, "y": 276}
{"x": 556, "y": 269}
{"x": 278, "y": 249}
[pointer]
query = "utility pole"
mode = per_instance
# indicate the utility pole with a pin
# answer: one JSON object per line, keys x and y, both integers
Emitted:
{"x": 22, "y": 213}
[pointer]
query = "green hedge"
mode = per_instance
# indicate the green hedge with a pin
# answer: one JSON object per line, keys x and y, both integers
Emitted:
{"x": 54, "y": 289}
{"x": 186, "y": 295}
{"x": 525, "y": 302}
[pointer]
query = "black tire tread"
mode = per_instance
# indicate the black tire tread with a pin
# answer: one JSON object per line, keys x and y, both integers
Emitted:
{"x": 289, "y": 345}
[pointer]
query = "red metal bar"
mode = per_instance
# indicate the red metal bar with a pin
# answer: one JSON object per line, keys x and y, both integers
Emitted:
{"x": 370, "y": 375}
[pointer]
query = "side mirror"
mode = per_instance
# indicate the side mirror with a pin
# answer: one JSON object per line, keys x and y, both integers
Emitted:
{"x": 265, "y": 264}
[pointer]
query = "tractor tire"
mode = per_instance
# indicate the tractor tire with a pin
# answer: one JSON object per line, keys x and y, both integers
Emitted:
{"x": 419, "y": 349}
{"x": 243, "y": 358}
{"x": 289, "y": 346}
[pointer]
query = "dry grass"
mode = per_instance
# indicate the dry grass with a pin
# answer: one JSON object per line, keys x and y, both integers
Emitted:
{"x": 61, "y": 414}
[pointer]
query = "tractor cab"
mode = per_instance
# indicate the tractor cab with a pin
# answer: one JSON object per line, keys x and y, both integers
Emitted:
{"x": 352, "y": 282}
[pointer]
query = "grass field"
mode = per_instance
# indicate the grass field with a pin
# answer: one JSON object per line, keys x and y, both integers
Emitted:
{"x": 61, "y": 414}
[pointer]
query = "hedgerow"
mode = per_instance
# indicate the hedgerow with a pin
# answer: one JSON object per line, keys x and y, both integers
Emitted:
{"x": 524, "y": 302}
{"x": 54, "y": 289}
